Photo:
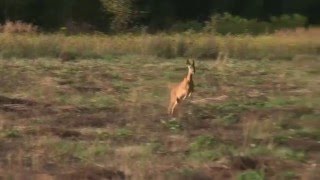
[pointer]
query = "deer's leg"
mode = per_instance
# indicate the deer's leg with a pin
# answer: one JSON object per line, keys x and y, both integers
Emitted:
{"x": 185, "y": 97}
{"x": 174, "y": 105}
{"x": 170, "y": 107}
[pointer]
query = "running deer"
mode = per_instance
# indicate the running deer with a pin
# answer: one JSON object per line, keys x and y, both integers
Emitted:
{"x": 182, "y": 90}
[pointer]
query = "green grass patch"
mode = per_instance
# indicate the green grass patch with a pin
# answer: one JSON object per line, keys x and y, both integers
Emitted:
{"x": 12, "y": 133}
{"x": 173, "y": 125}
{"x": 123, "y": 133}
{"x": 251, "y": 175}
{"x": 83, "y": 151}
{"x": 203, "y": 142}
{"x": 288, "y": 153}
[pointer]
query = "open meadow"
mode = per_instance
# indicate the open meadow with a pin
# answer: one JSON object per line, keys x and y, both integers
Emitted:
{"x": 101, "y": 113}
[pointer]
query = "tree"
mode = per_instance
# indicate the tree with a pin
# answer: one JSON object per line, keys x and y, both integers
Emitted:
{"x": 122, "y": 11}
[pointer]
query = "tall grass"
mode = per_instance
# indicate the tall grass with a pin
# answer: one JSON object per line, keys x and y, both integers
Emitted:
{"x": 200, "y": 45}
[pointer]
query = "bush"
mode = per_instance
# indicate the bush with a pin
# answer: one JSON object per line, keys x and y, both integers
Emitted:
{"x": 288, "y": 21}
{"x": 229, "y": 24}
{"x": 18, "y": 27}
{"x": 187, "y": 26}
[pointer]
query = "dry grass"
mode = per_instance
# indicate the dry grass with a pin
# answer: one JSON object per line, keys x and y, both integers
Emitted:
{"x": 300, "y": 32}
{"x": 200, "y": 45}
{"x": 18, "y": 27}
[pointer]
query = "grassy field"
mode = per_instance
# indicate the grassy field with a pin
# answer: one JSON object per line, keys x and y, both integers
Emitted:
{"x": 106, "y": 118}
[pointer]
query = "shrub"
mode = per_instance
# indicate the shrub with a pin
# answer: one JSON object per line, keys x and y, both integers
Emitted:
{"x": 18, "y": 27}
{"x": 187, "y": 26}
{"x": 288, "y": 21}
{"x": 229, "y": 24}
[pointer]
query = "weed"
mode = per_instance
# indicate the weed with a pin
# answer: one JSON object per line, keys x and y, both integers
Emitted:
{"x": 203, "y": 142}
{"x": 173, "y": 125}
{"x": 103, "y": 135}
{"x": 186, "y": 173}
{"x": 280, "y": 139}
{"x": 280, "y": 102}
{"x": 123, "y": 133}
{"x": 38, "y": 121}
{"x": 120, "y": 86}
{"x": 251, "y": 175}
{"x": 229, "y": 112}
{"x": 312, "y": 134}
{"x": 206, "y": 148}
{"x": 189, "y": 174}
{"x": 289, "y": 175}
{"x": 230, "y": 119}
{"x": 12, "y": 133}
{"x": 232, "y": 106}
{"x": 290, "y": 154}
{"x": 259, "y": 150}
{"x": 204, "y": 155}
{"x": 310, "y": 117}
{"x": 79, "y": 150}
{"x": 102, "y": 102}
{"x": 156, "y": 147}
{"x": 138, "y": 152}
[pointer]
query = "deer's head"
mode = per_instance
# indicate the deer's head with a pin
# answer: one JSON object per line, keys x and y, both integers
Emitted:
{"x": 191, "y": 66}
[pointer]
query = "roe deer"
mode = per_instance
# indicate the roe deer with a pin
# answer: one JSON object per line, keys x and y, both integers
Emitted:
{"x": 182, "y": 90}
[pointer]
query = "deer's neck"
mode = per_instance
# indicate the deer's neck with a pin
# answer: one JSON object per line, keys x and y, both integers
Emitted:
{"x": 189, "y": 77}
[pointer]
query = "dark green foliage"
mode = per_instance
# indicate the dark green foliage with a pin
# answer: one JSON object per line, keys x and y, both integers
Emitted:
{"x": 177, "y": 15}
{"x": 229, "y": 24}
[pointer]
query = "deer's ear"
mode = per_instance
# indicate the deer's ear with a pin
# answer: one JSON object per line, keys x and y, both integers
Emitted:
{"x": 187, "y": 62}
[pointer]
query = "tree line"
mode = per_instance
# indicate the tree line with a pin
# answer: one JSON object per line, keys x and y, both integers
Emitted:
{"x": 120, "y": 15}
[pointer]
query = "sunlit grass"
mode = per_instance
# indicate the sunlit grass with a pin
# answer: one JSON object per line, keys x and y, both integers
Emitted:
{"x": 200, "y": 45}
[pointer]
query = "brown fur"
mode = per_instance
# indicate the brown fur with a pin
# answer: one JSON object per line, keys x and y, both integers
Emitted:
{"x": 182, "y": 90}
